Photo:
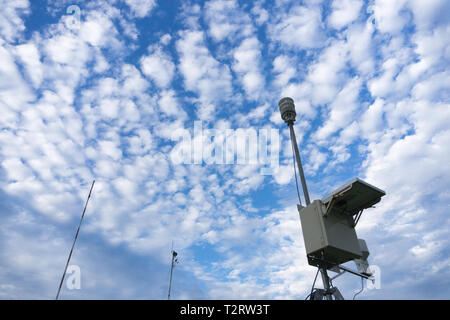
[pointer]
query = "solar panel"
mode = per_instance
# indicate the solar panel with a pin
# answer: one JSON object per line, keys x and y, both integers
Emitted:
{"x": 353, "y": 197}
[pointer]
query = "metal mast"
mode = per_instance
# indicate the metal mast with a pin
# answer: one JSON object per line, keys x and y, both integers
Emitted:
{"x": 74, "y": 240}
{"x": 174, "y": 261}
{"x": 299, "y": 163}
{"x": 288, "y": 114}
{"x": 287, "y": 110}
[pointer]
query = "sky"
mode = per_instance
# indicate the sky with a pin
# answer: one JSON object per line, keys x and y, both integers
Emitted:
{"x": 116, "y": 91}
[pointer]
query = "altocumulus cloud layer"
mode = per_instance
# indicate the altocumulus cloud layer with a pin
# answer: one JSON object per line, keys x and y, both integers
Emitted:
{"x": 97, "y": 92}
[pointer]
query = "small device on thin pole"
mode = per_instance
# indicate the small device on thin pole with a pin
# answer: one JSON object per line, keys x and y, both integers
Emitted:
{"x": 174, "y": 262}
{"x": 74, "y": 240}
{"x": 288, "y": 114}
{"x": 329, "y": 224}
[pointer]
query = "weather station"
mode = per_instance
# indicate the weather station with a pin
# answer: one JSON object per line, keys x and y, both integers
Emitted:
{"x": 328, "y": 224}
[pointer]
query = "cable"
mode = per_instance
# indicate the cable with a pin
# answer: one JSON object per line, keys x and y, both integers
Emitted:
{"x": 362, "y": 288}
{"x": 74, "y": 240}
{"x": 314, "y": 282}
{"x": 295, "y": 173}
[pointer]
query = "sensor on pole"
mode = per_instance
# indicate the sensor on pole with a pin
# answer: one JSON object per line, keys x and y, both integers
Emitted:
{"x": 288, "y": 114}
{"x": 329, "y": 224}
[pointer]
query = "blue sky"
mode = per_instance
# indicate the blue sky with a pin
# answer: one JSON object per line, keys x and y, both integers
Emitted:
{"x": 97, "y": 89}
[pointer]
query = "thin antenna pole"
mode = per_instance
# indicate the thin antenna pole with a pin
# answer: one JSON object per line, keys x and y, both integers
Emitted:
{"x": 174, "y": 254}
{"x": 299, "y": 163}
{"x": 74, "y": 240}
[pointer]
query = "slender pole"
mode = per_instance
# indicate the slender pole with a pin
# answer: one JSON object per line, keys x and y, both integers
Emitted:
{"x": 74, "y": 240}
{"x": 326, "y": 282}
{"x": 288, "y": 114}
{"x": 299, "y": 163}
{"x": 323, "y": 271}
{"x": 171, "y": 272}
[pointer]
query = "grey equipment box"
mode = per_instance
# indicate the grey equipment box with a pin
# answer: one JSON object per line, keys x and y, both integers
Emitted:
{"x": 328, "y": 224}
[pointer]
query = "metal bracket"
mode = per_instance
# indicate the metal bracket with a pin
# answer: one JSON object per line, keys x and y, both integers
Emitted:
{"x": 329, "y": 206}
{"x": 356, "y": 218}
{"x": 331, "y": 203}
{"x": 365, "y": 276}
{"x": 322, "y": 263}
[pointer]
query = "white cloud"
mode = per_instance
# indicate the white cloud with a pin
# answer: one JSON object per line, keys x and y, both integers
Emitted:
{"x": 428, "y": 249}
{"x": 262, "y": 15}
{"x": 226, "y": 21}
{"x": 432, "y": 47}
{"x": 109, "y": 108}
{"x": 16, "y": 169}
{"x": 344, "y": 12}
{"x": 165, "y": 39}
{"x": 94, "y": 30}
{"x": 279, "y": 235}
{"x": 125, "y": 187}
{"x": 342, "y": 110}
{"x": 434, "y": 88}
{"x": 415, "y": 158}
{"x": 360, "y": 47}
{"x": 399, "y": 71}
{"x": 11, "y": 23}
{"x": 14, "y": 93}
{"x": 284, "y": 174}
{"x": 169, "y": 105}
{"x": 276, "y": 118}
{"x": 247, "y": 59}
{"x": 388, "y": 16}
{"x": 110, "y": 149}
{"x": 371, "y": 123}
{"x": 66, "y": 49}
{"x": 328, "y": 73}
{"x": 316, "y": 159}
{"x": 427, "y": 14}
{"x": 300, "y": 28}
{"x": 158, "y": 66}
{"x": 141, "y": 8}
{"x": 285, "y": 70}
{"x": 31, "y": 58}
{"x": 203, "y": 74}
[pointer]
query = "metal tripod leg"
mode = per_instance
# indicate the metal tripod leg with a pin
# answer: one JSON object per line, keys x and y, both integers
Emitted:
{"x": 326, "y": 282}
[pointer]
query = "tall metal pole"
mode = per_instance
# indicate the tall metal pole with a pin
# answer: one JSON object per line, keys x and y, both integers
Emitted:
{"x": 299, "y": 163}
{"x": 170, "y": 281}
{"x": 326, "y": 282}
{"x": 288, "y": 114}
{"x": 74, "y": 240}
{"x": 174, "y": 255}
{"x": 323, "y": 271}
